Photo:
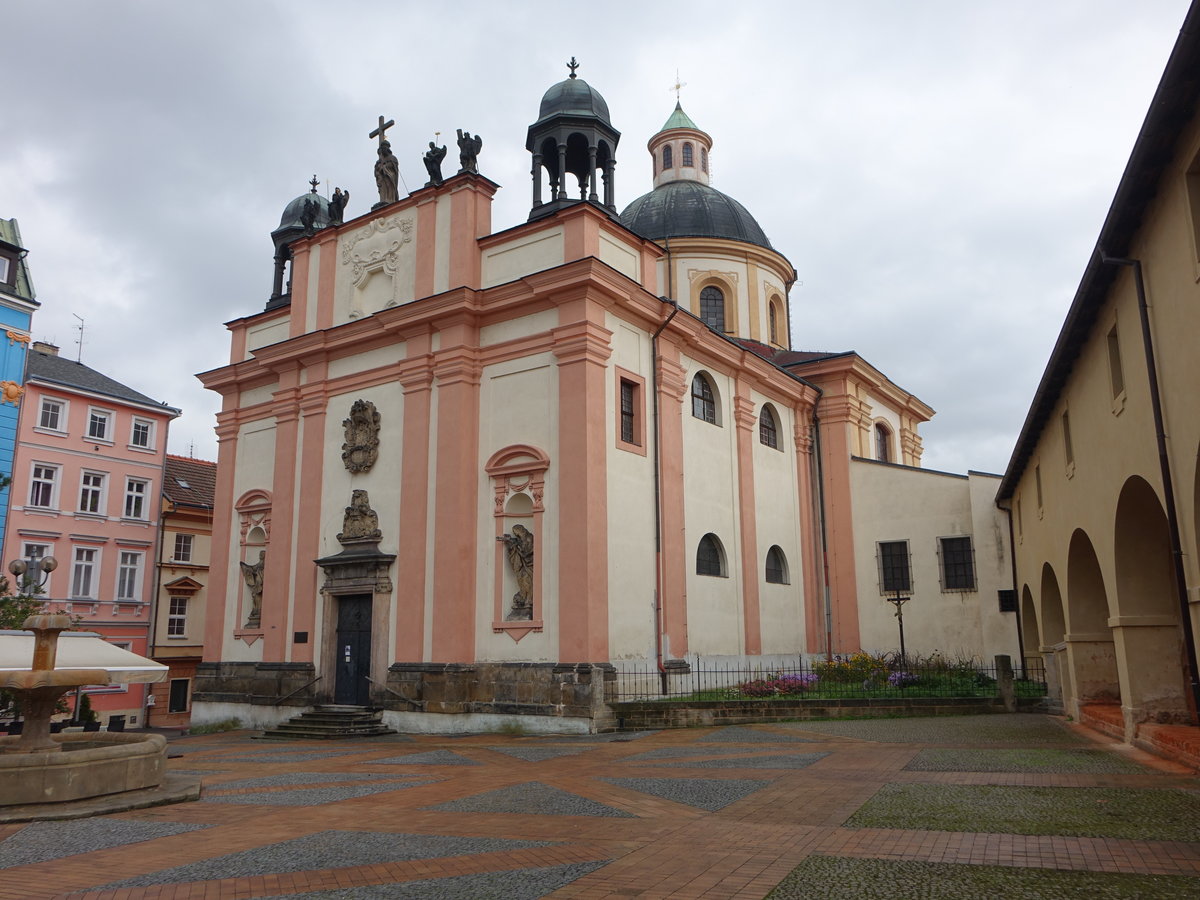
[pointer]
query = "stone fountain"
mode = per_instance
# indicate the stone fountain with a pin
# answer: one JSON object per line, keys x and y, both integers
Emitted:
{"x": 38, "y": 768}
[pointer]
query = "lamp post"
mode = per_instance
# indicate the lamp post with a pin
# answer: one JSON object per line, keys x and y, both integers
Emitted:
{"x": 20, "y": 569}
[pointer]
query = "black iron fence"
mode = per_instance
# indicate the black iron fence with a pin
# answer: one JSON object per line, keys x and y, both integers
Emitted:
{"x": 856, "y": 676}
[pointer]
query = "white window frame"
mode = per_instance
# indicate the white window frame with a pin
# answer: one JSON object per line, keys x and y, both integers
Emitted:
{"x": 130, "y": 564}
{"x": 97, "y": 491}
{"x": 85, "y": 568}
{"x": 50, "y": 475}
{"x": 136, "y": 499}
{"x": 4, "y": 266}
{"x": 133, "y": 427}
{"x": 61, "y": 410}
{"x": 176, "y": 619}
{"x": 187, "y": 544}
{"x": 95, "y": 414}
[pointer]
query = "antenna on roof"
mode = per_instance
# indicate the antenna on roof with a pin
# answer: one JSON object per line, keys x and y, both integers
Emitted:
{"x": 191, "y": 449}
{"x": 79, "y": 341}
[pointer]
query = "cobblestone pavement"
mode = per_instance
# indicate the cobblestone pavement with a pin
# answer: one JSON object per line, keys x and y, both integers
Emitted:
{"x": 978, "y": 806}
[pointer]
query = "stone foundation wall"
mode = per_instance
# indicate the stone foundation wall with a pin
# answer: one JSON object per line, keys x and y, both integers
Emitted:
{"x": 256, "y": 683}
{"x": 514, "y": 689}
{"x": 576, "y": 692}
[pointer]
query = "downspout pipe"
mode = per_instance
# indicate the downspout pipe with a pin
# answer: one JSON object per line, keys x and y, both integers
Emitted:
{"x": 658, "y": 554}
{"x": 818, "y": 478}
{"x": 1012, "y": 561}
{"x": 1189, "y": 636}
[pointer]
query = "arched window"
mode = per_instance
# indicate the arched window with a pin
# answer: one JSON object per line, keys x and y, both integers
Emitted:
{"x": 712, "y": 308}
{"x": 710, "y": 556}
{"x": 667, "y": 163}
{"x": 768, "y": 428}
{"x": 704, "y": 159}
{"x": 771, "y": 314}
{"x": 777, "y": 572}
{"x": 704, "y": 402}
{"x": 883, "y": 443}
{"x": 687, "y": 154}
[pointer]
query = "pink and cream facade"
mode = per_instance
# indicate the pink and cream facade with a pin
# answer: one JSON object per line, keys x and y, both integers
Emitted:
{"x": 467, "y": 472}
{"x": 86, "y": 476}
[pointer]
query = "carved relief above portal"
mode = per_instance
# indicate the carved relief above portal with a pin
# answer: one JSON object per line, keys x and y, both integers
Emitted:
{"x": 361, "y": 523}
{"x": 361, "y": 449}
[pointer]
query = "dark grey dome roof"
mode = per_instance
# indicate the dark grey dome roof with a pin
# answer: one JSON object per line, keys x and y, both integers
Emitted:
{"x": 691, "y": 209}
{"x": 292, "y": 218}
{"x": 573, "y": 97}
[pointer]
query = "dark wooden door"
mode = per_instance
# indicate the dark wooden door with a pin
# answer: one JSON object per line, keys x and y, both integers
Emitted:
{"x": 353, "y": 651}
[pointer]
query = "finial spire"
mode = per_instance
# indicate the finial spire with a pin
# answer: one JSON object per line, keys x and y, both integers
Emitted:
{"x": 314, "y": 184}
{"x": 677, "y": 87}
{"x": 572, "y": 65}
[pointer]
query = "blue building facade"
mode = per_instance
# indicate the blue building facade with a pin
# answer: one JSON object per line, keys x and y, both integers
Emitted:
{"x": 17, "y": 305}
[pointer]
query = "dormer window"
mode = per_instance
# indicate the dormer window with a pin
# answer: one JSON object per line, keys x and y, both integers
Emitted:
{"x": 687, "y": 155}
{"x": 667, "y": 161}
{"x": 6, "y": 268}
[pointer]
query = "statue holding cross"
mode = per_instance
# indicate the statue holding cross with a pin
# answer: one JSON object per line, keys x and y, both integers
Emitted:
{"x": 387, "y": 167}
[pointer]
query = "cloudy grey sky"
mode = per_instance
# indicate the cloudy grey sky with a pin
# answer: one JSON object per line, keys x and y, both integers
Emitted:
{"x": 937, "y": 171}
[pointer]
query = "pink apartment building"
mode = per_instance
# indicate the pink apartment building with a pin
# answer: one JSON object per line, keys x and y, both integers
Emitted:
{"x": 87, "y": 475}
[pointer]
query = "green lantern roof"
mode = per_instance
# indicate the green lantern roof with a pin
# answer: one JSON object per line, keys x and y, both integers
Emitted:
{"x": 679, "y": 119}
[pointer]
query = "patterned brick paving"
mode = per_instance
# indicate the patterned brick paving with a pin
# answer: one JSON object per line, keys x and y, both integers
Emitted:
{"x": 721, "y": 830}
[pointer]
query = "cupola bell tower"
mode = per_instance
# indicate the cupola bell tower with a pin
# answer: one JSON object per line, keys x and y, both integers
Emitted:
{"x": 573, "y": 136}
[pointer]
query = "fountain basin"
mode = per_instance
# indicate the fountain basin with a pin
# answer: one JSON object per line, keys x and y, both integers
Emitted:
{"x": 105, "y": 763}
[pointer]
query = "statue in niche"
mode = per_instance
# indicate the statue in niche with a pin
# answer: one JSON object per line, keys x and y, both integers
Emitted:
{"x": 468, "y": 152}
{"x": 361, "y": 523}
{"x": 361, "y": 448}
{"x": 519, "y": 547}
{"x": 433, "y": 164}
{"x": 337, "y": 206}
{"x": 387, "y": 174}
{"x": 253, "y": 574}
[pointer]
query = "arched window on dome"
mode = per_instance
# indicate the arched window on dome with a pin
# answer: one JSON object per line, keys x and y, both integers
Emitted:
{"x": 667, "y": 163}
{"x": 704, "y": 159}
{"x": 710, "y": 557}
{"x": 704, "y": 399}
{"x": 712, "y": 308}
{"x": 774, "y": 319}
{"x": 883, "y": 443}
{"x": 688, "y": 159}
{"x": 768, "y": 427}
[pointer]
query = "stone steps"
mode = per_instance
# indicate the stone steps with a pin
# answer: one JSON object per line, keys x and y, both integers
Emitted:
{"x": 330, "y": 722}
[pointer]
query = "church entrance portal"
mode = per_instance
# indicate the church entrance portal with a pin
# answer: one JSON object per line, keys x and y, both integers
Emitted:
{"x": 351, "y": 685}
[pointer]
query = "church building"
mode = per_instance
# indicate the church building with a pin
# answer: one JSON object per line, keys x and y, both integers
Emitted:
{"x": 470, "y": 472}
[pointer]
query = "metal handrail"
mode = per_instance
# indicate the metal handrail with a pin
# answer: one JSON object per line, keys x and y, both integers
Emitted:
{"x": 298, "y": 690}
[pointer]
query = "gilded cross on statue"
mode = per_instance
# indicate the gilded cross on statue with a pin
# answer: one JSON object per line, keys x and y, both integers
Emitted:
{"x": 677, "y": 87}
{"x": 383, "y": 126}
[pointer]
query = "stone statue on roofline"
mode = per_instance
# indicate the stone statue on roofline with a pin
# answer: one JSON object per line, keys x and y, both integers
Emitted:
{"x": 433, "y": 164}
{"x": 468, "y": 152}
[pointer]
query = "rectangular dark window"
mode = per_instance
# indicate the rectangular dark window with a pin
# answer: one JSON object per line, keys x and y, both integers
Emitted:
{"x": 628, "y": 422}
{"x": 51, "y": 418}
{"x": 177, "y": 700}
{"x": 1008, "y": 601}
{"x": 895, "y": 576}
{"x": 958, "y": 564}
